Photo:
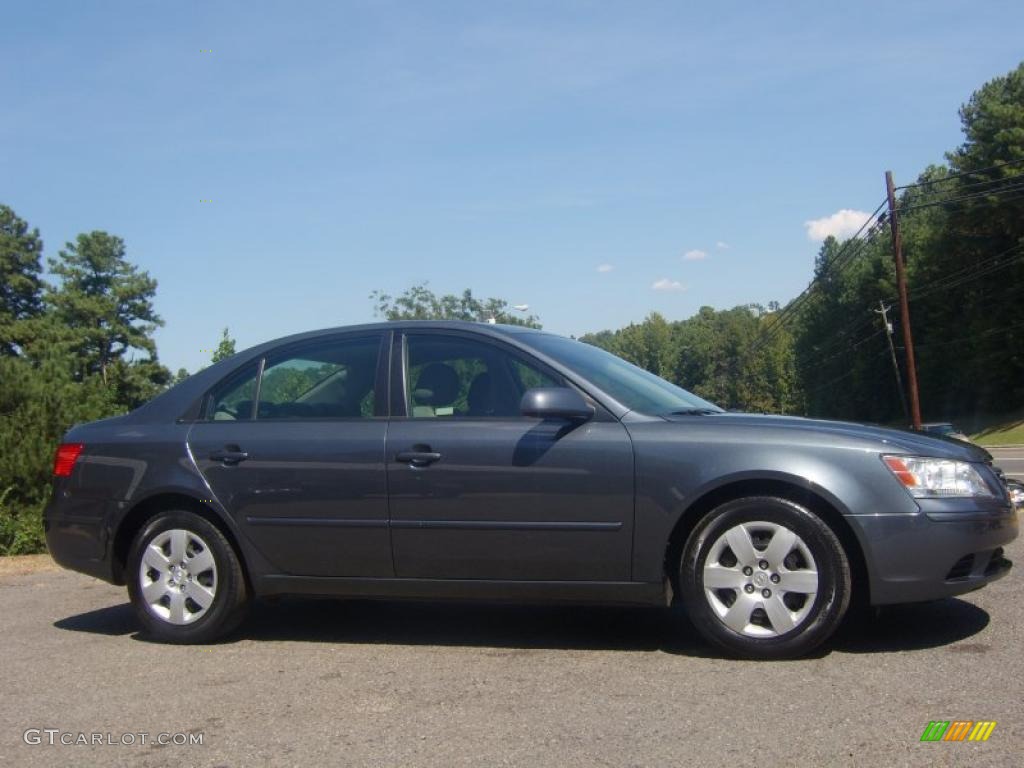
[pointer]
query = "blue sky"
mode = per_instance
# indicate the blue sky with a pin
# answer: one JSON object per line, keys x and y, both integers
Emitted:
{"x": 510, "y": 147}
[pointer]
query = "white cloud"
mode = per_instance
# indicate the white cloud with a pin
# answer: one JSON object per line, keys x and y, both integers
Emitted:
{"x": 605, "y": 268}
{"x": 694, "y": 255}
{"x": 722, "y": 245}
{"x": 664, "y": 284}
{"x": 840, "y": 224}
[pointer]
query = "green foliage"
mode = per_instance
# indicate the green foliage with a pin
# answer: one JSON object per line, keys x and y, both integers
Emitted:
{"x": 831, "y": 357}
{"x": 713, "y": 354}
{"x": 21, "y": 531}
{"x": 965, "y": 273}
{"x": 39, "y": 402}
{"x": 67, "y": 355}
{"x": 286, "y": 383}
{"x": 20, "y": 285}
{"x": 106, "y": 300}
{"x": 420, "y": 303}
{"x": 225, "y": 349}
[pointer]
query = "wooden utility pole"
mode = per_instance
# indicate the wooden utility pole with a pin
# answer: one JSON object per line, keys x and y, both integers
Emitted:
{"x": 901, "y": 286}
{"x": 892, "y": 351}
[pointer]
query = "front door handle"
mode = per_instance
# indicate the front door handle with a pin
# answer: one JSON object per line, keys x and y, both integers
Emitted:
{"x": 230, "y": 455}
{"x": 418, "y": 458}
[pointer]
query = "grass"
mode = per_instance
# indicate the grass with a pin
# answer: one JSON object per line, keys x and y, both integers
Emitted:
{"x": 23, "y": 565}
{"x": 1006, "y": 430}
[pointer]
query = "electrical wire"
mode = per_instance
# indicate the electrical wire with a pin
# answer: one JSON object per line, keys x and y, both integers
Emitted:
{"x": 848, "y": 252}
{"x": 962, "y": 174}
{"x": 1015, "y": 188}
{"x": 968, "y": 273}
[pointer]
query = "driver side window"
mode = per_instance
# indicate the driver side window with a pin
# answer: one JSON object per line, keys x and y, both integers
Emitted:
{"x": 453, "y": 376}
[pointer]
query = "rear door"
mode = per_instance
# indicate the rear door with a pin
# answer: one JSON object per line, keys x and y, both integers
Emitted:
{"x": 293, "y": 447}
{"x": 478, "y": 491}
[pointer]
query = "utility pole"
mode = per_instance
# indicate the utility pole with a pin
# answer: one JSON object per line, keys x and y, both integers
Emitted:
{"x": 901, "y": 285}
{"x": 892, "y": 351}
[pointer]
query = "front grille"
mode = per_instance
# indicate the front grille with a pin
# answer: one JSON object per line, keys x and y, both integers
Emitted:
{"x": 962, "y": 568}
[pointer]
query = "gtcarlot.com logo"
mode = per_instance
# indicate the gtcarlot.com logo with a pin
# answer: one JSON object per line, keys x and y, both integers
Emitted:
{"x": 958, "y": 730}
{"x": 56, "y": 737}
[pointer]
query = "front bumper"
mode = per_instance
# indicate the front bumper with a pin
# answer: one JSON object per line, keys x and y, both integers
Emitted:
{"x": 948, "y": 548}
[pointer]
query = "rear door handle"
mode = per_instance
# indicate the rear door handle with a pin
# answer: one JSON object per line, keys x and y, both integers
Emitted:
{"x": 229, "y": 457}
{"x": 418, "y": 458}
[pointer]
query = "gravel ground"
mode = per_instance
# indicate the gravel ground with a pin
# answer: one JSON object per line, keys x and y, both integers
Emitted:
{"x": 311, "y": 682}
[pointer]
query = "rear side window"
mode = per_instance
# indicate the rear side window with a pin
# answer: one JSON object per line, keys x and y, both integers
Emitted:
{"x": 332, "y": 379}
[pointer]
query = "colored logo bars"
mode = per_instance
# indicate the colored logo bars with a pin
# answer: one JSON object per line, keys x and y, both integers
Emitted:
{"x": 958, "y": 730}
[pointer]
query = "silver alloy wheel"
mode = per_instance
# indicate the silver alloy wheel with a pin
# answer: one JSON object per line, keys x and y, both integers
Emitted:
{"x": 178, "y": 576}
{"x": 760, "y": 579}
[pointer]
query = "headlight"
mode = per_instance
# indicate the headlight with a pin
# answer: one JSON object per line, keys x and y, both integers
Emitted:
{"x": 937, "y": 478}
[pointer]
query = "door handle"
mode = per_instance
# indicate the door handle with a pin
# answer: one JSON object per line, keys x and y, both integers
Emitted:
{"x": 229, "y": 456}
{"x": 418, "y": 458}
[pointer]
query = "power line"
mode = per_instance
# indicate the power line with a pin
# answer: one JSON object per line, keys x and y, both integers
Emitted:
{"x": 844, "y": 335}
{"x": 969, "y": 272}
{"x": 820, "y": 362}
{"x": 836, "y": 380}
{"x": 1014, "y": 187}
{"x": 973, "y": 336}
{"x": 962, "y": 174}
{"x": 834, "y": 267}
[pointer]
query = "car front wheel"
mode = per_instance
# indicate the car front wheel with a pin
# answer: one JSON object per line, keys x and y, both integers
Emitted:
{"x": 764, "y": 577}
{"x": 185, "y": 580}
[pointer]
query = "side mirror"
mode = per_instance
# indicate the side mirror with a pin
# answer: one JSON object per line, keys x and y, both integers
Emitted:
{"x": 555, "y": 403}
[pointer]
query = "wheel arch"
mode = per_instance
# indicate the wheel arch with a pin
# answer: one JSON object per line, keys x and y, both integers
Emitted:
{"x": 146, "y": 509}
{"x": 796, "y": 490}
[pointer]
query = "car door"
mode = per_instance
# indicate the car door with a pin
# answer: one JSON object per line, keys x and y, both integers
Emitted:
{"x": 478, "y": 491}
{"x": 292, "y": 446}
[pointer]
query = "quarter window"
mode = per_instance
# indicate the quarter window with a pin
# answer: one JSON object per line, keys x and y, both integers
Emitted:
{"x": 231, "y": 400}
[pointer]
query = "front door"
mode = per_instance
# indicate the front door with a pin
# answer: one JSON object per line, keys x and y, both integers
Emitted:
{"x": 478, "y": 491}
{"x": 293, "y": 448}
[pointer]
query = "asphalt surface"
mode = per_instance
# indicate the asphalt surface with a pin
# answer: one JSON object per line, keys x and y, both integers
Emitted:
{"x": 1011, "y": 460}
{"x": 310, "y": 683}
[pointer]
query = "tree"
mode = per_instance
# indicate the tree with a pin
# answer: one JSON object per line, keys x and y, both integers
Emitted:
{"x": 39, "y": 401}
{"x": 225, "y": 349}
{"x": 106, "y": 304}
{"x": 420, "y": 303}
{"x": 712, "y": 354}
{"x": 21, "y": 288}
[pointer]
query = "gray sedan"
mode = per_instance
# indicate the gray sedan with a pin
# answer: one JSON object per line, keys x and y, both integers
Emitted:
{"x": 456, "y": 460}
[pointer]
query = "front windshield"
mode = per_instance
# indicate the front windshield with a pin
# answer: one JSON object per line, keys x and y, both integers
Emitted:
{"x": 635, "y": 388}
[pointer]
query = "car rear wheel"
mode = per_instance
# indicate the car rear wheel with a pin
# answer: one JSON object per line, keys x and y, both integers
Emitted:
{"x": 185, "y": 580}
{"x": 764, "y": 577}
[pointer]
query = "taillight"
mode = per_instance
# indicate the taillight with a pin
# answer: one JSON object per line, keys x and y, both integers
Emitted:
{"x": 65, "y": 458}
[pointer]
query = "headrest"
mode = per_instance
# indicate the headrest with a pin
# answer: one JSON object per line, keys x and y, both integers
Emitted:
{"x": 438, "y": 384}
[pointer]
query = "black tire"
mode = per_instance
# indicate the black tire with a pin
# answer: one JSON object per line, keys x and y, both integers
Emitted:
{"x": 826, "y": 608}
{"x": 230, "y": 599}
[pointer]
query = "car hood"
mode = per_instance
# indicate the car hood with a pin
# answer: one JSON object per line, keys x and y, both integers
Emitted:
{"x": 896, "y": 440}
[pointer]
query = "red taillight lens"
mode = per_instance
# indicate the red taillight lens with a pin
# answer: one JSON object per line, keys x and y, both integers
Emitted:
{"x": 64, "y": 460}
